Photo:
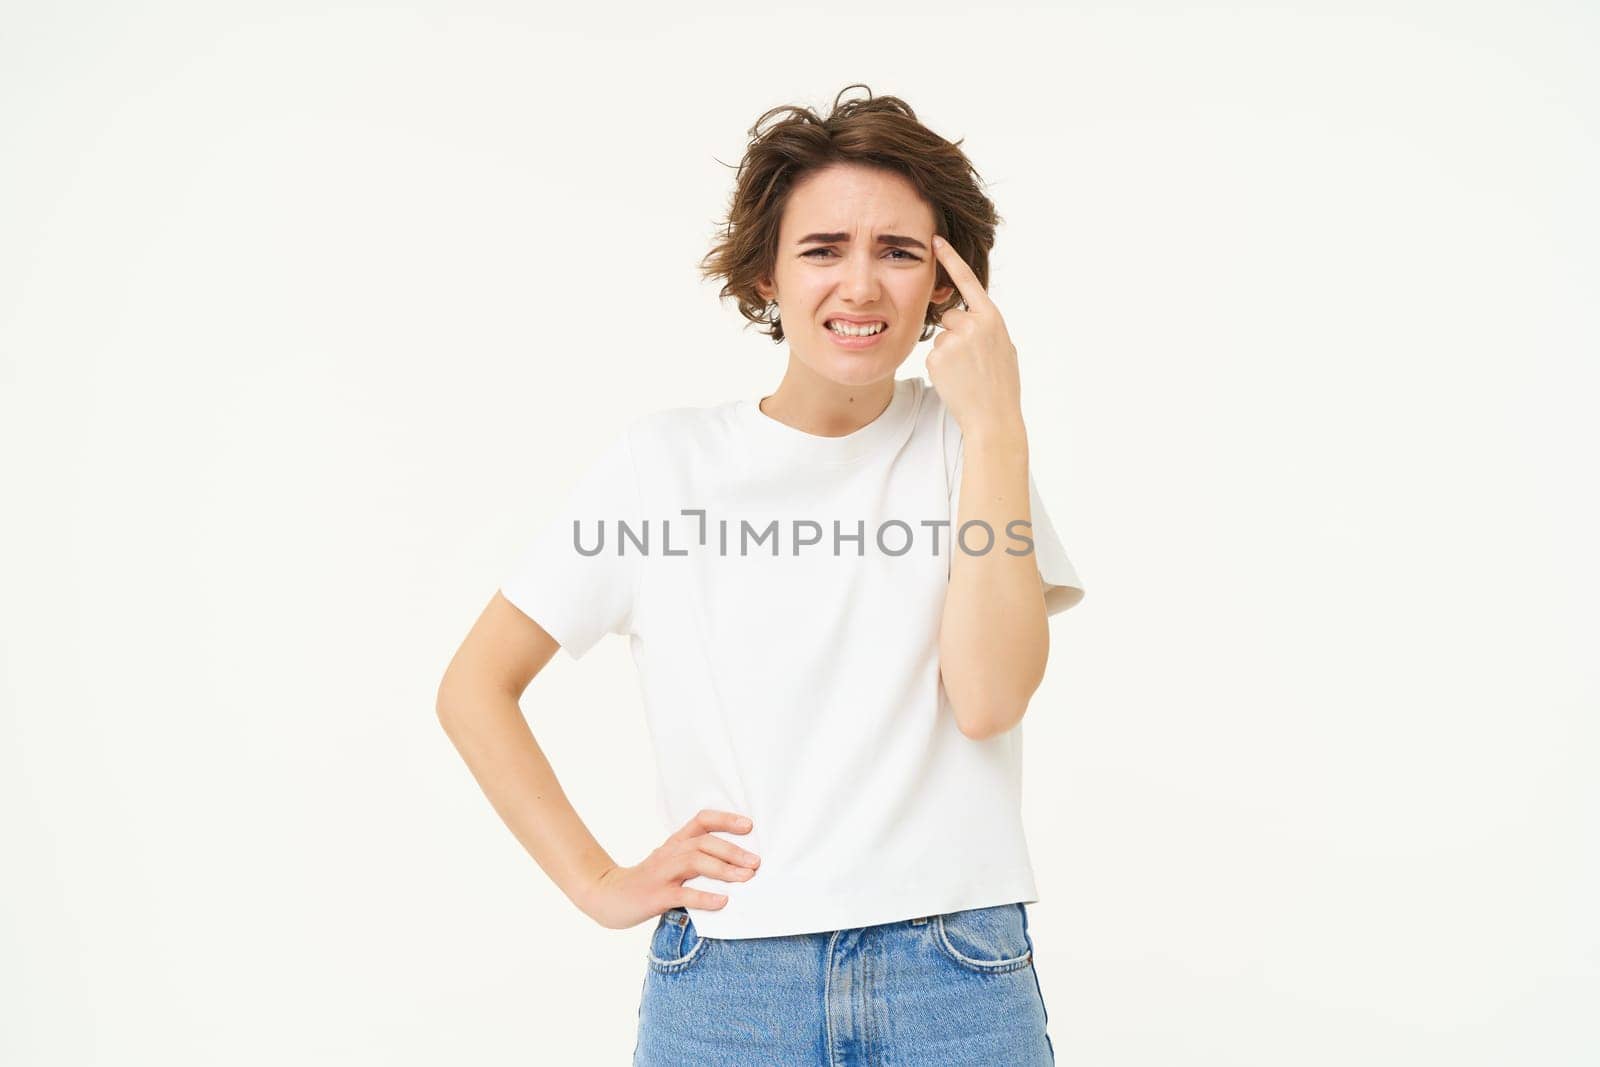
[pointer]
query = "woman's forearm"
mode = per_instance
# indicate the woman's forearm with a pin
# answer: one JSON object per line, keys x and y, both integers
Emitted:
{"x": 488, "y": 729}
{"x": 993, "y": 637}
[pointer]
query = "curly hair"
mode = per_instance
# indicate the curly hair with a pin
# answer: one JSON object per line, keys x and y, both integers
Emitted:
{"x": 879, "y": 131}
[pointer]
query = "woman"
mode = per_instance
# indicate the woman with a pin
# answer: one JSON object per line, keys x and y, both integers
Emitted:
{"x": 836, "y": 598}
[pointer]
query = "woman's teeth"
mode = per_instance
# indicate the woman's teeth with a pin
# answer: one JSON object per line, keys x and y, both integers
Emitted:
{"x": 850, "y": 330}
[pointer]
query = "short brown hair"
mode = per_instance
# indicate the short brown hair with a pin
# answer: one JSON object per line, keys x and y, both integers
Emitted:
{"x": 879, "y": 131}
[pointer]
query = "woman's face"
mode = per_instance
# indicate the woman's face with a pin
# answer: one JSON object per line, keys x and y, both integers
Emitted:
{"x": 854, "y": 241}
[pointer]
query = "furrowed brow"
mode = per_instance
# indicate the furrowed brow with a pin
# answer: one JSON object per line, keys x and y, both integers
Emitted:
{"x": 894, "y": 239}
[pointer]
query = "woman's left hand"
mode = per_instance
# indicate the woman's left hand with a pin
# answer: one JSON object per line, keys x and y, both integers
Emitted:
{"x": 973, "y": 363}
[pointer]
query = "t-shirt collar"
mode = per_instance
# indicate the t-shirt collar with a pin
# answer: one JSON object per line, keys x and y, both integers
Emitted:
{"x": 768, "y": 433}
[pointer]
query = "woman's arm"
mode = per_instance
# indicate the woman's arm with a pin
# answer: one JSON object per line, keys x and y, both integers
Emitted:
{"x": 994, "y": 636}
{"x": 478, "y": 706}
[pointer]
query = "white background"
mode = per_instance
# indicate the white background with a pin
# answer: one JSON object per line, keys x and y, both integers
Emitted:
{"x": 309, "y": 312}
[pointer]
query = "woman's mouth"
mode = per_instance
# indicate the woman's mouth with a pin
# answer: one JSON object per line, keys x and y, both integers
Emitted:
{"x": 854, "y": 335}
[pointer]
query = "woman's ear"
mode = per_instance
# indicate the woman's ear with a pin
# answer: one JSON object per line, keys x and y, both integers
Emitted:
{"x": 765, "y": 289}
{"x": 941, "y": 294}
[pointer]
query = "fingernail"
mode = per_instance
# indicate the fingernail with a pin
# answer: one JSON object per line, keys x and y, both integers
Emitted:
{"x": 743, "y": 821}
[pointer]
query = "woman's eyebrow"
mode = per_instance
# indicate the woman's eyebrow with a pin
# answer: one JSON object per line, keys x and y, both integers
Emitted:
{"x": 895, "y": 239}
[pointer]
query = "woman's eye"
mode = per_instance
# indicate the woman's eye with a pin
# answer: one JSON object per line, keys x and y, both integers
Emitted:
{"x": 899, "y": 253}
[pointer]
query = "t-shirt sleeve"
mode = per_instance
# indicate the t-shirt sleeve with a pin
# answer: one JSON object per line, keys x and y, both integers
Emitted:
{"x": 579, "y": 575}
{"x": 1062, "y": 587}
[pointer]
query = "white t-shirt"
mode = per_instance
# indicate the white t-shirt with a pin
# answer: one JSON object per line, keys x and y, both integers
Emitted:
{"x": 789, "y": 682}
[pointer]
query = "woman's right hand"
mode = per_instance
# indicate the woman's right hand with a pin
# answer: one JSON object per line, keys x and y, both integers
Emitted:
{"x": 627, "y": 896}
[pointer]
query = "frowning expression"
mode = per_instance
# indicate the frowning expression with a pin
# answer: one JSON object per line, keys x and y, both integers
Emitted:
{"x": 854, "y": 272}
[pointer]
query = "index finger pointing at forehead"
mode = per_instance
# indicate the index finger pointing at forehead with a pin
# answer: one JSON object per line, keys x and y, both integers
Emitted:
{"x": 972, "y": 291}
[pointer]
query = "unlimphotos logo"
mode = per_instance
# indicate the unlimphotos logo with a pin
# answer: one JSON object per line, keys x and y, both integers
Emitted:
{"x": 892, "y": 537}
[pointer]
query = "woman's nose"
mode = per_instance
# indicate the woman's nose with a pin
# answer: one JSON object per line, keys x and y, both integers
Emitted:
{"x": 861, "y": 279}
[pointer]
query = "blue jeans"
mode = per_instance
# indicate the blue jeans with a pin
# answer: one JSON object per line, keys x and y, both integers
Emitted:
{"x": 950, "y": 989}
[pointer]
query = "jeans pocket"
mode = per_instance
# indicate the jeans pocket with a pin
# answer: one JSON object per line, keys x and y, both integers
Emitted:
{"x": 986, "y": 940}
{"x": 675, "y": 944}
